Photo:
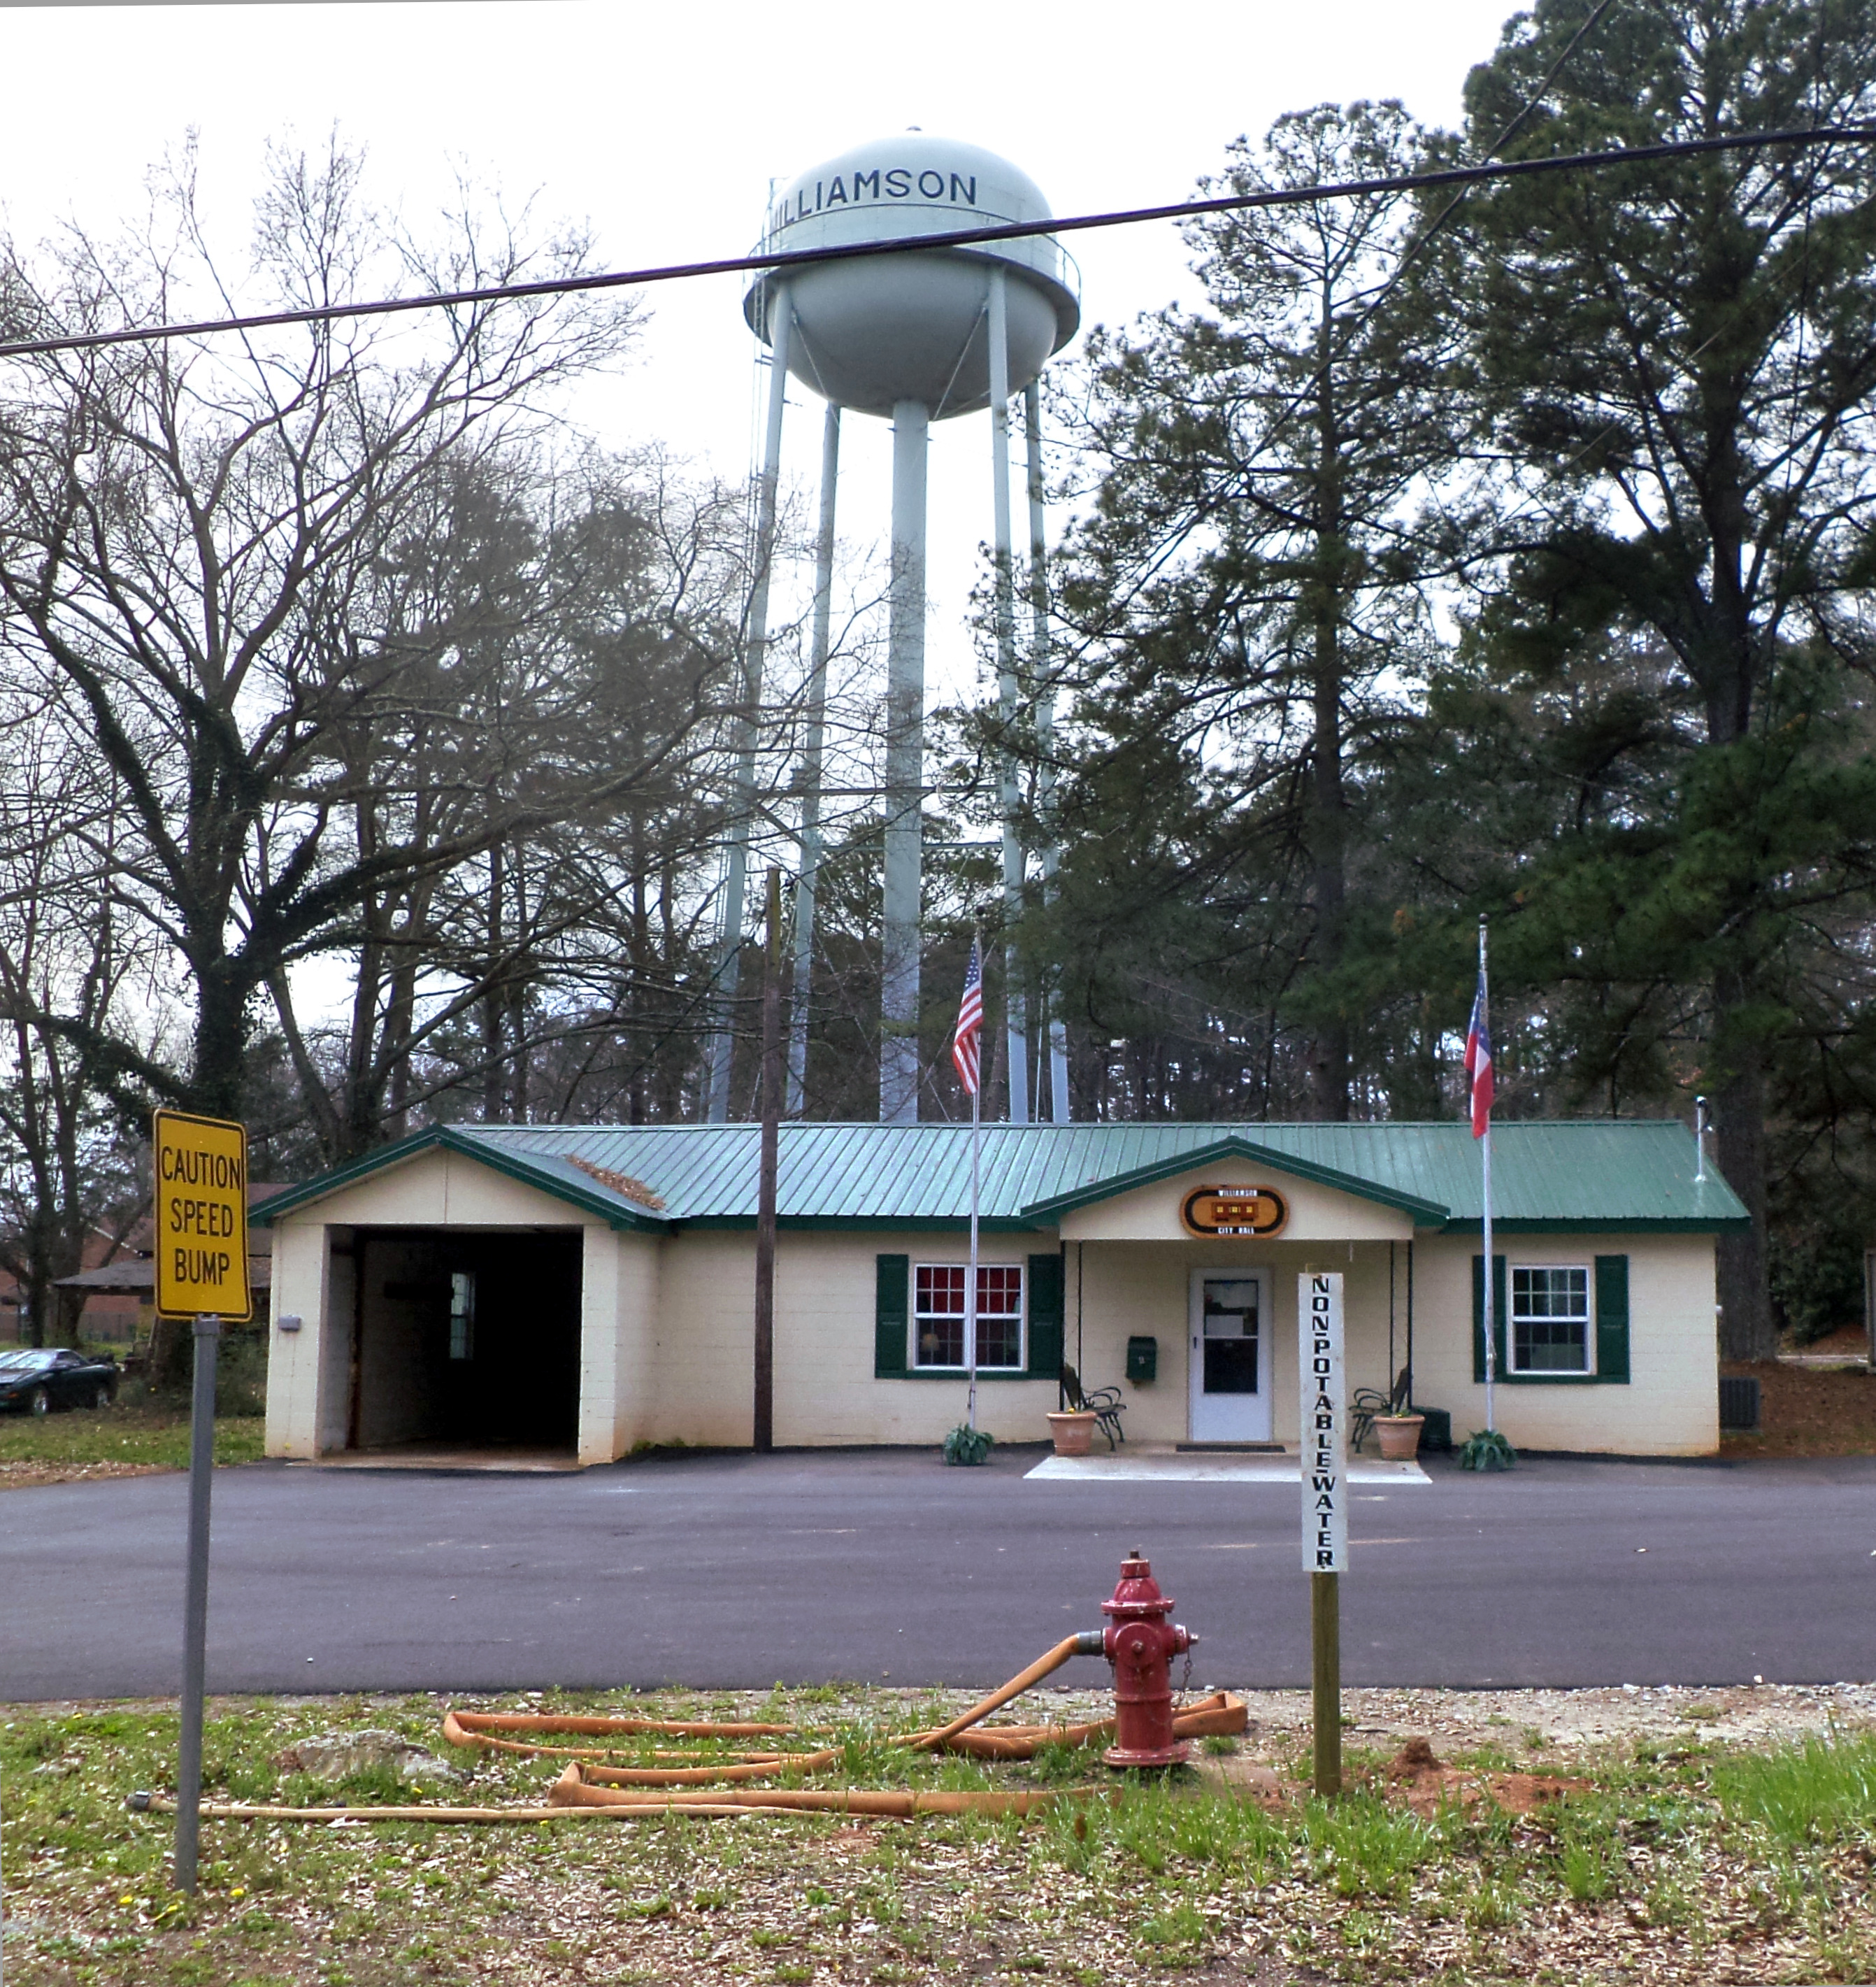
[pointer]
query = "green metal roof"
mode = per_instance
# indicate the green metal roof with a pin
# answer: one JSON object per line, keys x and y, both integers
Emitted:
{"x": 1627, "y": 1173}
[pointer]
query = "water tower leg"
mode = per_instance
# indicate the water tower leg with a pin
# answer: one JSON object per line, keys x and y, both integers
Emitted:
{"x": 811, "y": 765}
{"x": 1015, "y": 1035}
{"x": 1045, "y": 717}
{"x": 905, "y": 718}
{"x": 722, "y": 1051}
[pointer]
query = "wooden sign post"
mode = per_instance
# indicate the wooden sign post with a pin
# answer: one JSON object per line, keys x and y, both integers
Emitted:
{"x": 201, "y": 1273}
{"x": 1324, "y": 1424}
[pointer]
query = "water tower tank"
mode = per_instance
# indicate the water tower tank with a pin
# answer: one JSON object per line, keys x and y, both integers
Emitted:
{"x": 872, "y": 333}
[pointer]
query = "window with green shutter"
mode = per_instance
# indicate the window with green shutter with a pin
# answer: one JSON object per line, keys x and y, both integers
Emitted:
{"x": 1612, "y": 1318}
{"x": 892, "y": 1283}
{"x": 1478, "y": 1316}
{"x": 1547, "y": 1294}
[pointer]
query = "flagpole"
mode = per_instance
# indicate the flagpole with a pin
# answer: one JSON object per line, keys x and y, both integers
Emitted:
{"x": 970, "y": 1278}
{"x": 1485, "y": 1163}
{"x": 970, "y": 1284}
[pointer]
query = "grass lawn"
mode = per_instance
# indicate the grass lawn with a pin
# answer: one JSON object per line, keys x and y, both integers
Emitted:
{"x": 121, "y": 1441}
{"x": 1675, "y": 1855}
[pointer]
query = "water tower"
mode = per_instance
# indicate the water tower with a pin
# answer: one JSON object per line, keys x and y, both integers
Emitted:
{"x": 916, "y": 337}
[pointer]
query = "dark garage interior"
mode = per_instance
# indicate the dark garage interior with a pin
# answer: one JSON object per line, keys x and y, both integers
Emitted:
{"x": 467, "y": 1338}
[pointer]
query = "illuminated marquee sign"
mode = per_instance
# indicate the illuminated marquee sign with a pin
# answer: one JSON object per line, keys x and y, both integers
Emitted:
{"x": 1233, "y": 1210}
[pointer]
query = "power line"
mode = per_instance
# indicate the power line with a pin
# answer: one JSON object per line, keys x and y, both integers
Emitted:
{"x": 962, "y": 237}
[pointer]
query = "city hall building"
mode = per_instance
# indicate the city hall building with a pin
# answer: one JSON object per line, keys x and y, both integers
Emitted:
{"x": 583, "y": 1289}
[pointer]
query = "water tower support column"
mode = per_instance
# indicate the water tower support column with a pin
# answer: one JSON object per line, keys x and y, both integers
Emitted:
{"x": 811, "y": 764}
{"x": 1045, "y": 719}
{"x": 905, "y": 719}
{"x": 1016, "y": 1037}
{"x": 755, "y": 656}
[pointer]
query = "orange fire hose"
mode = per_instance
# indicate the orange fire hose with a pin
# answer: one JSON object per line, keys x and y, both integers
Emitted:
{"x": 575, "y": 1788}
{"x": 590, "y": 1787}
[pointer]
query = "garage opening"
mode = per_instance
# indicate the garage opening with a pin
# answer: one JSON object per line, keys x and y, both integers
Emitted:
{"x": 465, "y": 1339}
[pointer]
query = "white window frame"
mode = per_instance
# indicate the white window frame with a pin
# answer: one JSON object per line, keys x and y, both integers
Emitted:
{"x": 1019, "y": 1271}
{"x": 1587, "y": 1370}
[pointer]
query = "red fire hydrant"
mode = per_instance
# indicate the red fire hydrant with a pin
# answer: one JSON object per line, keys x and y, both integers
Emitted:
{"x": 1141, "y": 1643}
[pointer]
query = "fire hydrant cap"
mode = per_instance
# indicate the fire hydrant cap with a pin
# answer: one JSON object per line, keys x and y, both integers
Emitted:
{"x": 1138, "y": 1597}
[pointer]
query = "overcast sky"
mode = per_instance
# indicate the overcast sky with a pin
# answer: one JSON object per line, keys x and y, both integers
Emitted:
{"x": 664, "y": 125}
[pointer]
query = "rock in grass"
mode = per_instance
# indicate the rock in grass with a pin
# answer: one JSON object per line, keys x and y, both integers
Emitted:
{"x": 333, "y": 1756}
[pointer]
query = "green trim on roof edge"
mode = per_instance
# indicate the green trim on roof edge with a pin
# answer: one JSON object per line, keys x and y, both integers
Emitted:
{"x": 1596, "y": 1224}
{"x": 609, "y": 1208}
{"x": 1426, "y": 1214}
{"x": 871, "y": 1224}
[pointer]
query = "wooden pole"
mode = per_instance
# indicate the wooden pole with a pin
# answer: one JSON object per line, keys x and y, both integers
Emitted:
{"x": 1326, "y": 1637}
{"x": 771, "y": 1093}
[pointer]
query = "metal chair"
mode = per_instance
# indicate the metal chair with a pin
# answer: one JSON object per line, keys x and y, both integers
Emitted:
{"x": 1104, "y": 1403}
{"x": 1366, "y": 1403}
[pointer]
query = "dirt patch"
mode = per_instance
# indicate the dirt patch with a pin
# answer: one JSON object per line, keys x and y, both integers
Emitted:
{"x": 31, "y": 1476}
{"x": 1426, "y": 1782}
{"x": 1807, "y": 1410}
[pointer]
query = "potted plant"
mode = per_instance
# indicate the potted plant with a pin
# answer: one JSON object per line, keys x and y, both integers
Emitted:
{"x": 1073, "y": 1430}
{"x": 1400, "y": 1437}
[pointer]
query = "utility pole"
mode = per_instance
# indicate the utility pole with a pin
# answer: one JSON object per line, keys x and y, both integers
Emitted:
{"x": 771, "y": 1095}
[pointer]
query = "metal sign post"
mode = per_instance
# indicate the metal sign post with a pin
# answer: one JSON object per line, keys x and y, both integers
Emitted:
{"x": 1324, "y": 1424}
{"x": 195, "y": 1605}
{"x": 201, "y": 1207}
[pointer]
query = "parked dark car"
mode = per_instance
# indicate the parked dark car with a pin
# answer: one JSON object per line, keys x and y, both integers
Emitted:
{"x": 37, "y": 1379}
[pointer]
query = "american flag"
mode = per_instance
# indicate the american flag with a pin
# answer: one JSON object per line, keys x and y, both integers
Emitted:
{"x": 964, "y": 1047}
{"x": 1479, "y": 1063}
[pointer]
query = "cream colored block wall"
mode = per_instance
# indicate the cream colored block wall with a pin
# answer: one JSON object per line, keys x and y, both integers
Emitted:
{"x": 619, "y": 1296}
{"x": 295, "y": 1358}
{"x": 342, "y": 1285}
{"x": 437, "y": 1188}
{"x": 703, "y": 1365}
{"x": 1128, "y": 1287}
{"x": 1670, "y": 1406}
{"x": 825, "y": 1392}
{"x": 1316, "y": 1213}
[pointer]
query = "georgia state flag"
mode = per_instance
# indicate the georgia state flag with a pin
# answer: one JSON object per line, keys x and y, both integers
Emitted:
{"x": 1479, "y": 1063}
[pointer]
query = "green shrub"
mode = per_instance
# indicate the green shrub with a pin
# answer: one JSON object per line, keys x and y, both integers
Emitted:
{"x": 967, "y": 1446}
{"x": 1487, "y": 1450}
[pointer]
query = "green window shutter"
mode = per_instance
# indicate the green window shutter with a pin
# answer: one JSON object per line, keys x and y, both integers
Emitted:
{"x": 892, "y": 1282}
{"x": 1478, "y": 1316}
{"x": 1045, "y": 1318}
{"x": 1612, "y": 1317}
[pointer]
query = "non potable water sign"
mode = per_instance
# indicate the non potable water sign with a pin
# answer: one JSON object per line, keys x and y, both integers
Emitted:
{"x": 1324, "y": 1423}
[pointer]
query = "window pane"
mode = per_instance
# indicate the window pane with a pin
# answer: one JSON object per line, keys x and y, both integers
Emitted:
{"x": 999, "y": 1293}
{"x": 1550, "y": 1319}
{"x": 461, "y": 1314}
{"x": 938, "y": 1330}
{"x": 1550, "y": 1293}
{"x": 941, "y": 1288}
{"x": 1549, "y": 1345}
{"x": 999, "y": 1341}
{"x": 941, "y": 1341}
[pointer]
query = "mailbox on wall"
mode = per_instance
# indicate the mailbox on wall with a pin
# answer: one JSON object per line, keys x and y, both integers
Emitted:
{"x": 1143, "y": 1359}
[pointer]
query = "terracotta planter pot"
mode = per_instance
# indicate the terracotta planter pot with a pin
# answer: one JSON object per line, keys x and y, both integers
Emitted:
{"x": 1073, "y": 1432}
{"x": 1400, "y": 1436}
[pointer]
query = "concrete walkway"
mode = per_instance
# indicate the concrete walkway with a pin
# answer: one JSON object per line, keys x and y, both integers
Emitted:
{"x": 1144, "y": 1462}
{"x": 495, "y": 1459}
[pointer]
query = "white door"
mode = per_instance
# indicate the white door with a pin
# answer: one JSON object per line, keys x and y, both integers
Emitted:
{"x": 1230, "y": 1361}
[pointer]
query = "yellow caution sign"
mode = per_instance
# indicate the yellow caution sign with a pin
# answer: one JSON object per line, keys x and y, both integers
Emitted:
{"x": 201, "y": 1217}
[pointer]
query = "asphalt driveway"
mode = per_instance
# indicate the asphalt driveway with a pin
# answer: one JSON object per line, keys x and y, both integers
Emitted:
{"x": 884, "y": 1566}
